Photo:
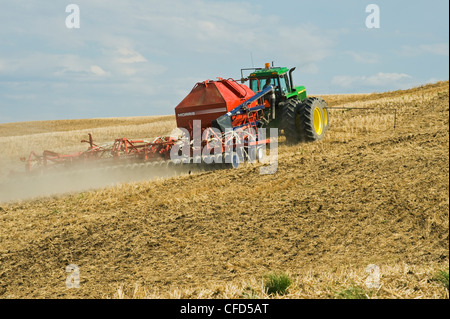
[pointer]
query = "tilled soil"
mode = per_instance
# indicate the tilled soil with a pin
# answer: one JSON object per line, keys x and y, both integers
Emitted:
{"x": 365, "y": 194}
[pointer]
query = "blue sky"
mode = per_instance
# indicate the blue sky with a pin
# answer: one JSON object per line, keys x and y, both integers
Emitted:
{"x": 133, "y": 58}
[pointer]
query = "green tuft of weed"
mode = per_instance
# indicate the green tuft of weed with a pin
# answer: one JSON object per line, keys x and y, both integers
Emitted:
{"x": 442, "y": 277}
{"x": 277, "y": 283}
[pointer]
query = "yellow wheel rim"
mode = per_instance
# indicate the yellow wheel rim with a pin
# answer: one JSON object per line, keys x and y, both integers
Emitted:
{"x": 325, "y": 117}
{"x": 318, "y": 121}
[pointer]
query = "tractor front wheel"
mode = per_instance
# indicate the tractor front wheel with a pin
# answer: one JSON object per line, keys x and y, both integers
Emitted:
{"x": 288, "y": 122}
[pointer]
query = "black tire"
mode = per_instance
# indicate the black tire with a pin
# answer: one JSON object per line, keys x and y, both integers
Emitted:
{"x": 303, "y": 121}
{"x": 309, "y": 120}
{"x": 289, "y": 109}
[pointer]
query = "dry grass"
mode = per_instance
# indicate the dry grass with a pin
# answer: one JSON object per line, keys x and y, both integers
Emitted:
{"x": 366, "y": 194}
{"x": 65, "y": 136}
{"x": 399, "y": 281}
{"x": 31, "y": 128}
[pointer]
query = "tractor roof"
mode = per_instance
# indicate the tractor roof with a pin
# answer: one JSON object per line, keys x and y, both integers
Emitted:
{"x": 269, "y": 72}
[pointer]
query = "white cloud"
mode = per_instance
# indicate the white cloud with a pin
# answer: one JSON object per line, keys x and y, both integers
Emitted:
{"x": 437, "y": 48}
{"x": 441, "y": 49}
{"x": 171, "y": 30}
{"x": 364, "y": 57}
{"x": 45, "y": 65}
{"x": 132, "y": 50}
{"x": 65, "y": 64}
{"x": 231, "y": 28}
{"x": 377, "y": 80}
{"x": 97, "y": 70}
{"x": 129, "y": 56}
{"x": 304, "y": 45}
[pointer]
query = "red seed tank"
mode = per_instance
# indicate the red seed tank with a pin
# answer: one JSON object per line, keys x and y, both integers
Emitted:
{"x": 210, "y": 99}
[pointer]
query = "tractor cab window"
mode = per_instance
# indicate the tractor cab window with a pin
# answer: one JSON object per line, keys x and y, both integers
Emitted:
{"x": 284, "y": 86}
{"x": 269, "y": 81}
{"x": 257, "y": 85}
{"x": 265, "y": 82}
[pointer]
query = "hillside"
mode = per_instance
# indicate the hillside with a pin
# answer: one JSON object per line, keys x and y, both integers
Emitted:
{"x": 368, "y": 193}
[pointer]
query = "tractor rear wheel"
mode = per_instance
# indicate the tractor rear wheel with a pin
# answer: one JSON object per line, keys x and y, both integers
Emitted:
{"x": 309, "y": 119}
{"x": 304, "y": 121}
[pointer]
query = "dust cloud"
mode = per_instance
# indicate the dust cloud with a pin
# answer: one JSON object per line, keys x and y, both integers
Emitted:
{"x": 18, "y": 187}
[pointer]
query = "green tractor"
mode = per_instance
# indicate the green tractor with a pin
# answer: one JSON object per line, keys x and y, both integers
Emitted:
{"x": 301, "y": 118}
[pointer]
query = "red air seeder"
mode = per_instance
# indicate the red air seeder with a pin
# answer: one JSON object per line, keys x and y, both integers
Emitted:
{"x": 220, "y": 121}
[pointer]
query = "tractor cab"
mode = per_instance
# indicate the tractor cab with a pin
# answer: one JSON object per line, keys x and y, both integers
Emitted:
{"x": 259, "y": 80}
{"x": 280, "y": 78}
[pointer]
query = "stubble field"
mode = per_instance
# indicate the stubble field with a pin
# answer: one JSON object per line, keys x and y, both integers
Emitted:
{"x": 368, "y": 193}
